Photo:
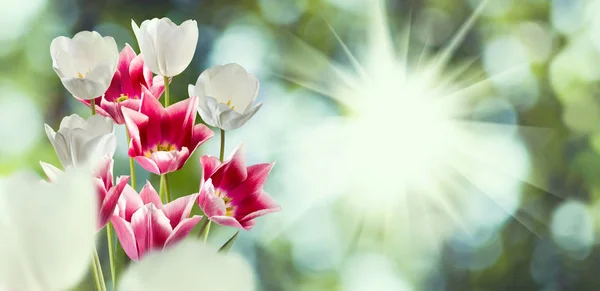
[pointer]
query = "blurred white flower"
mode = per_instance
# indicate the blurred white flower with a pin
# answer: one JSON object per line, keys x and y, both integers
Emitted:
{"x": 226, "y": 94}
{"x": 48, "y": 230}
{"x": 189, "y": 265}
{"x": 85, "y": 64}
{"x": 167, "y": 48}
{"x": 80, "y": 141}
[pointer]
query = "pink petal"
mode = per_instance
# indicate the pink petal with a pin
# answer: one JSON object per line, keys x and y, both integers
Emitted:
{"x": 180, "y": 208}
{"x": 129, "y": 202}
{"x": 126, "y": 56}
{"x": 148, "y": 164}
{"x": 255, "y": 205}
{"x": 209, "y": 202}
{"x": 149, "y": 195}
{"x": 109, "y": 202}
{"x": 257, "y": 176}
{"x": 227, "y": 221}
{"x": 154, "y": 110}
{"x": 113, "y": 110}
{"x": 137, "y": 124}
{"x": 200, "y": 134}
{"x": 151, "y": 228}
{"x": 136, "y": 73}
{"x": 104, "y": 171}
{"x": 126, "y": 237}
{"x": 210, "y": 165}
{"x": 156, "y": 85}
{"x": 232, "y": 173}
{"x": 182, "y": 230}
{"x": 182, "y": 115}
{"x": 170, "y": 161}
{"x": 114, "y": 90}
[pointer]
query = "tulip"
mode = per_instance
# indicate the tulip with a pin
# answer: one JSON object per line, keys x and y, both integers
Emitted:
{"x": 107, "y": 192}
{"x": 48, "y": 231}
{"x": 162, "y": 139}
{"x": 233, "y": 195}
{"x": 227, "y": 95}
{"x": 190, "y": 265}
{"x": 79, "y": 141}
{"x": 167, "y": 48}
{"x": 86, "y": 63}
{"x": 132, "y": 80}
{"x": 143, "y": 224}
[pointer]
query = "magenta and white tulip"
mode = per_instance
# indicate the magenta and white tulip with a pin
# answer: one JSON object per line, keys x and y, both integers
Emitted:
{"x": 227, "y": 94}
{"x": 233, "y": 195}
{"x": 143, "y": 224}
{"x": 132, "y": 80}
{"x": 162, "y": 139}
{"x": 86, "y": 63}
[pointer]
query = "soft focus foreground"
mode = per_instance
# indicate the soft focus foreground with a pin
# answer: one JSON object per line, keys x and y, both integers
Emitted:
{"x": 412, "y": 154}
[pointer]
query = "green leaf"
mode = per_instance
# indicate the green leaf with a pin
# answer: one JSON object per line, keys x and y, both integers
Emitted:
{"x": 225, "y": 248}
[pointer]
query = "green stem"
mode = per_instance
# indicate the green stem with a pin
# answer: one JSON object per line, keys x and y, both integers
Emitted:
{"x": 162, "y": 188}
{"x": 111, "y": 255}
{"x": 99, "y": 270}
{"x": 131, "y": 162}
{"x": 167, "y": 192}
{"x": 93, "y": 106}
{"x": 221, "y": 155}
{"x": 203, "y": 223}
{"x": 167, "y": 91}
{"x": 95, "y": 275}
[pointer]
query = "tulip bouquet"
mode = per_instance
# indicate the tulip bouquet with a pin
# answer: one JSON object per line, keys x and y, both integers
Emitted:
{"x": 54, "y": 251}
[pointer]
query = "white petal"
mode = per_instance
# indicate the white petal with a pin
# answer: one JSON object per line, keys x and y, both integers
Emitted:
{"x": 189, "y": 265}
{"x": 48, "y": 230}
{"x": 51, "y": 171}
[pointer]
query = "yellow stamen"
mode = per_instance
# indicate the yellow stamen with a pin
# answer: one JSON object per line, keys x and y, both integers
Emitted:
{"x": 227, "y": 200}
{"x": 160, "y": 147}
{"x": 79, "y": 75}
{"x": 122, "y": 98}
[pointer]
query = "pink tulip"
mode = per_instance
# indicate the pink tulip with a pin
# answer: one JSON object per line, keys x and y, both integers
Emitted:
{"x": 131, "y": 82}
{"x": 107, "y": 192}
{"x": 162, "y": 139}
{"x": 233, "y": 195}
{"x": 143, "y": 224}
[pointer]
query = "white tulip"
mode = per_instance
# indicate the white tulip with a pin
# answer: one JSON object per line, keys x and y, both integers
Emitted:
{"x": 227, "y": 95}
{"x": 86, "y": 63}
{"x": 189, "y": 265}
{"x": 79, "y": 141}
{"x": 167, "y": 49}
{"x": 48, "y": 230}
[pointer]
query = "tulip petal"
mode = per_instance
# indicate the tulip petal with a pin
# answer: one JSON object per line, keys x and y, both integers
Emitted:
{"x": 180, "y": 208}
{"x": 126, "y": 237}
{"x": 182, "y": 230}
{"x": 149, "y": 195}
{"x": 51, "y": 171}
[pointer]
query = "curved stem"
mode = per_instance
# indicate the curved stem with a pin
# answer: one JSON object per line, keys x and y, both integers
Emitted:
{"x": 93, "y": 106}
{"x": 95, "y": 275}
{"x": 131, "y": 163}
{"x": 111, "y": 255}
{"x": 167, "y": 91}
{"x": 167, "y": 193}
{"x": 99, "y": 270}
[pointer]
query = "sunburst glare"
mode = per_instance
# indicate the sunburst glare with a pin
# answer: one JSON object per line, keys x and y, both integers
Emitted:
{"x": 416, "y": 150}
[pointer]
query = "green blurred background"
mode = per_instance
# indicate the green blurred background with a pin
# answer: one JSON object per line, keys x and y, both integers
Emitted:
{"x": 537, "y": 230}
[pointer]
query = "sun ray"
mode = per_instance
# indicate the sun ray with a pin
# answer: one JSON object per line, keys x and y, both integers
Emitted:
{"x": 357, "y": 66}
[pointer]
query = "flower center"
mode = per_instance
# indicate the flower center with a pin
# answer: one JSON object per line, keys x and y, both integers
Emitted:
{"x": 227, "y": 201}
{"x": 80, "y": 76}
{"x": 122, "y": 98}
{"x": 228, "y": 104}
{"x": 160, "y": 147}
